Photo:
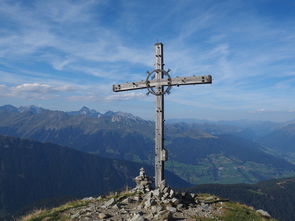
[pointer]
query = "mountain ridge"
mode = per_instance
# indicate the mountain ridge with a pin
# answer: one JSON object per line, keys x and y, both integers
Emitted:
{"x": 233, "y": 160}
{"x": 83, "y": 111}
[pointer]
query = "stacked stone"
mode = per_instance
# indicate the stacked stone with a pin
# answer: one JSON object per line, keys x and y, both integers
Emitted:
{"x": 143, "y": 182}
{"x": 144, "y": 203}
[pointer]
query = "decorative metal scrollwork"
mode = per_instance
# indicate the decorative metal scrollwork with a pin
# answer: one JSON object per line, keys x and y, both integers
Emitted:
{"x": 157, "y": 89}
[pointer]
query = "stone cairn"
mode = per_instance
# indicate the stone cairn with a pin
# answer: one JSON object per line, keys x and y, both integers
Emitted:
{"x": 145, "y": 203}
{"x": 143, "y": 182}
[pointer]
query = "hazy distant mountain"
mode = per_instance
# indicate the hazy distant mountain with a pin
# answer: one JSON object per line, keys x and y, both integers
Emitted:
{"x": 224, "y": 159}
{"x": 282, "y": 139}
{"x": 277, "y": 138}
{"x": 197, "y": 153}
{"x": 9, "y": 108}
{"x": 244, "y": 128}
{"x": 43, "y": 173}
{"x": 275, "y": 196}
{"x": 258, "y": 127}
{"x": 85, "y": 111}
{"x": 27, "y": 120}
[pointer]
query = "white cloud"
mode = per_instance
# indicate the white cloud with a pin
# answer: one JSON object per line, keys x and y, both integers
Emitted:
{"x": 125, "y": 96}
{"x": 36, "y": 91}
{"x": 3, "y": 90}
{"x": 64, "y": 42}
{"x": 261, "y": 110}
{"x": 61, "y": 64}
{"x": 63, "y": 28}
{"x": 2, "y": 86}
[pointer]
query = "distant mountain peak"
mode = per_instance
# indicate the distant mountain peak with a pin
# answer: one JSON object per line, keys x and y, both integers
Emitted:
{"x": 85, "y": 111}
{"x": 9, "y": 108}
{"x": 84, "y": 108}
{"x": 109, "y": 113}
{"x": 119, "y": 115}
{"x": 32, "y": 109}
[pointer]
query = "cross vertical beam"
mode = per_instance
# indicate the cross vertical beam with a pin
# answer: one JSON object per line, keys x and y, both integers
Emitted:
{"x": 159, "y": 129}
{"x": 158, "y": 83}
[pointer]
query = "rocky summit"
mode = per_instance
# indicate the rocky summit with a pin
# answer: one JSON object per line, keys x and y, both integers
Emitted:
{"x": 147, "y": 203}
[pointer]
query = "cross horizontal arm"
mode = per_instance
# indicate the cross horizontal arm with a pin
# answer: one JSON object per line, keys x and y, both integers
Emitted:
{"x": 163, "y": 82}
{"x": 191, "y": 80}
{"x": 129, "y": 86}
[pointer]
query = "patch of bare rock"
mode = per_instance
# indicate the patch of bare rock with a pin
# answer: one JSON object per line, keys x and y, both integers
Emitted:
{"x": 145, "y": 203}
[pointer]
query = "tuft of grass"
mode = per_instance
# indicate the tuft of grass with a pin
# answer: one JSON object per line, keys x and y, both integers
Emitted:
{"x": 206, "y": 219}
{"x": 232, "y": 211}
{"x": 31, "y": 215}
{"x": 120, "y": 195}
{"x": 55, "y": 213}
{"x": 238, "y": 212}
{"x": 58, "y": 212}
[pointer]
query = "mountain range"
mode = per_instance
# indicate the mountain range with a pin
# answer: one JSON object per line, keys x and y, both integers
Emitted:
{"x": 204, "y": 152}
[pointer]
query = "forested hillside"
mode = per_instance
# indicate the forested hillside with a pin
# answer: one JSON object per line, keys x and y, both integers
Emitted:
{"x": 33, "y": 173}
{"x": 275, "y": 196}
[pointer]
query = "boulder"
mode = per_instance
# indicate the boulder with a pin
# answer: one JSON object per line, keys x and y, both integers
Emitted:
{"x": 127, "y": 200}
{"x": 109, "y": 203}
{"x": 263, "y": 213}
{"x": 137, "y": 217}
{"x": 171, "y": 193}
{"x": 102, "y": 216}
{"x": 171, "y": 209}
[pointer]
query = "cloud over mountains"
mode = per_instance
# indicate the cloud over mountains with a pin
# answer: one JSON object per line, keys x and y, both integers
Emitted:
{"x": 88, "y": 46}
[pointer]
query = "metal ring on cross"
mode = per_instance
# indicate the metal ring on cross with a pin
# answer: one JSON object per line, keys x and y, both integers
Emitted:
{"x": 157, "y": 89}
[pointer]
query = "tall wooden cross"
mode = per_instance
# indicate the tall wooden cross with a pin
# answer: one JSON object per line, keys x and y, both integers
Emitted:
{"x": 158, "y": 83}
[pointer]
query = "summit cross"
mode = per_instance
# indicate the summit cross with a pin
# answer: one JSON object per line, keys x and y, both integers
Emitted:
{"x": 158, "y": 83}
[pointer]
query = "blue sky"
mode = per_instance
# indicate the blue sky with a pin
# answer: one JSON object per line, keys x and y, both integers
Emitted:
{"x": 63, "y": 54}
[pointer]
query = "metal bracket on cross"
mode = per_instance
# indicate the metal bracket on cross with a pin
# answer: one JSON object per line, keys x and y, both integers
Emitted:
{"x": 158, "y": 83}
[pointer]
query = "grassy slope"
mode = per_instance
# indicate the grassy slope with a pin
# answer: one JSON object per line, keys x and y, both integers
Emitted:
{"x": 275, "y": 196}
{"x": 232, "y": 211}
